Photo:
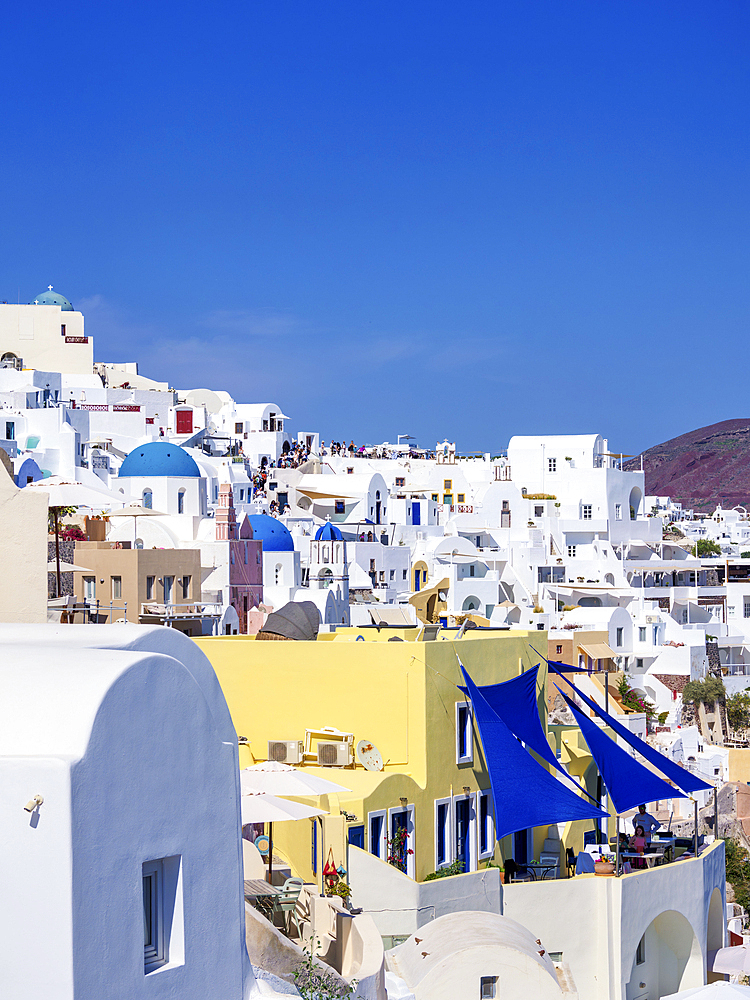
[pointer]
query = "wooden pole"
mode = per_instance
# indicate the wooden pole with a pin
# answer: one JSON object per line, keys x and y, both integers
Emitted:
{"x": 716, "y": 812}
{"x": 57, "y": 552}
{"x": 617, "y": 834}
{"x": 270, "y": 853}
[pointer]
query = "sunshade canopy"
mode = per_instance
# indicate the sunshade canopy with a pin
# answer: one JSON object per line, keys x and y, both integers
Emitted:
{"x": 283, "y": 779}
{"x": 296, "y": 620}
{"x": 262, "y": 807}
{"x": 598, "y": 651}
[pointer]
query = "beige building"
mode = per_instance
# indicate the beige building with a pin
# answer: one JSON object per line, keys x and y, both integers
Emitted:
{"x": 23, "y": 551}
{"x": 46, "y": 334}
{"x": 127, "y": 578}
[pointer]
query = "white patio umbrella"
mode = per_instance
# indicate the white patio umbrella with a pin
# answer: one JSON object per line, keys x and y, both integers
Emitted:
{"x": 261, "y": 807}
{"x": 714, "y": 991}
{"x": 731, "y": 961}
{"x": 66, "y": 567}
{"x": 283, "y": 779}
{"x": 62, "y": 493}
{"x": 136, "y": 510}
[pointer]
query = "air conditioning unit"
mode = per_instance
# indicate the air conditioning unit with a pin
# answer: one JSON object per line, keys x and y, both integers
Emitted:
{"x": 286, "y": 751}
{"x": 334, "y": 754}
{"x": 652, "y": 620}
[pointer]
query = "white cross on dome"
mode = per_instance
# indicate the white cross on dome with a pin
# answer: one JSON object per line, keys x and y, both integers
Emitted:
{"x": 49, "y": 287}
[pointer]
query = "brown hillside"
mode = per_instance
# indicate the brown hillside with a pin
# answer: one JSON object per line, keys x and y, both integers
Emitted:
{"x": 703, "y": 468}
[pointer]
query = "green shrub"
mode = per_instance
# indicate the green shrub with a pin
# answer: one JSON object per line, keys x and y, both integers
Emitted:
{"x": 454, "y": 868}
{"x": 704, "y": 548}
{"x": 738, "y": 871}
{"x": 738, "y": 709}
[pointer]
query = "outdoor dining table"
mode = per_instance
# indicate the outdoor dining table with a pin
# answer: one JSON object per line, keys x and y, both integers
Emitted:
{"x": 260, "y": 893}
{"x": 650, "y": 857}
{"x": 540, "y": 869}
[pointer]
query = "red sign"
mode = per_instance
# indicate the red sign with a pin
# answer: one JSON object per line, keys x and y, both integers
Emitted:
{"x": 76, "y": 340}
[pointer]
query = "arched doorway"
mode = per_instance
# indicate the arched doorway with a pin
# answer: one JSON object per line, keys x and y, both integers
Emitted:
{"x": 471, "y": 604}
{"x": 715, "y": 928}
{"x": 635, "y": 502}
{"x": 667, "y": 959}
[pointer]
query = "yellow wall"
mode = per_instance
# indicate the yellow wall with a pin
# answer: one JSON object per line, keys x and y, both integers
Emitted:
{"x": 739, "y": 765}
{"x": 401, "y": 696}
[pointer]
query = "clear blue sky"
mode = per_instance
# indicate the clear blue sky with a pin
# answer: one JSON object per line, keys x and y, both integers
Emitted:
{"x": 467, "y": 219}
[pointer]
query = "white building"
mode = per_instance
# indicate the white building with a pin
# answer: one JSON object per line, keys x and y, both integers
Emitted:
{"x": 48, "y": 333}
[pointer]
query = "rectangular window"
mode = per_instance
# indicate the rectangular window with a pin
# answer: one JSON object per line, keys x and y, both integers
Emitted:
{"x": 400, "y": 481}
{"x": 656, "y": 635}
{"x": 618, "y": 512}
{"x": 747, "y": 608}
{"x": 181, "y": 502}
{"x": 163, "y": 933}
{"x": 238, "y": 428}
{"x": 62, "y": 329}
{"x": 539, "y": 512}
{"x": 558, "y": 650}
{"x": 464, "y": 742}
{"x": 393, "y": 574}
{"x": 551, "y": 465}
{"x": 185, "y": 587}
{"x": 471, "y": 570}
{"x": 314, "y": 845}
{"x": 403, "y": 572}
{"x": 372, "y": 565}
{"x": 639, "y": 664}
{"x": 487, "y": 987}
{"x": 10, "y": 430}
{"x": 586, "y": 511}
{"x": 461, "y": 497}
{"x": 339, "y": 507}
{"x": 442, "y": 832}
{"x": 116, "y": 588}
{"x": 640, "y": 952}
{"x": 377, "y": 834}
{"x": 447, "y": 484}
{"x": 486, "y": 826}
{"x": 641, "y": 633}
{"x": 89, "y": 588}
{"x": 168, "y": 588}
{"x": 571, "y": 551}
{"x": 618, "y": 633}
{"x": 381, "y": 576}
{"x": 435, "y": 497}
{"x": 448, "y": 498}
{"x": 150, "y": 581}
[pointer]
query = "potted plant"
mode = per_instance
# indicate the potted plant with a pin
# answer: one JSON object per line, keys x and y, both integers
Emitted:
{"x": 606, "y": 865}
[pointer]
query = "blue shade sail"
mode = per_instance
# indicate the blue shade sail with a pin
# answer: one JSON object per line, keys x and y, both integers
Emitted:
{"x": 557, "y": 667}
{"x": 679, "y": 775}
{"x": 524, "y": 794}
{"x": 515, "y": 702}
{"x": 628, "y": 782}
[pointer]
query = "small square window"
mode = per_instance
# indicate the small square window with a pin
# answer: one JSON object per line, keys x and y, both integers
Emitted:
{"x": 435, "y": 497}
{"x": 350, "y": 470}
{"x": 447, "y": 484}
{"x": 238, "y": 428}
{"x": 487, "y": 987}
{"x": 539, "y": 512}
{"x": 551, "y": 465}
{"x": 400, "y": 480}
{"x": 461, "y": 497}
{"x": 571, "y": 551}
{"x": 586, "y": 511}
{"x": 447, "y": 498}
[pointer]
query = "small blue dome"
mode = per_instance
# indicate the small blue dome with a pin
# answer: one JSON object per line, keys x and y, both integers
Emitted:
{"x": 50, "y": 298}
{"x": 159, "y": 458}
{"x": 328, "y": 533}
{"x": 274, "y": 535}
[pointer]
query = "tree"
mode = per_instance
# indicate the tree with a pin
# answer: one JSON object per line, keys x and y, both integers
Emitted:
{"x": 738, "y": 710}
{"x": 708, "y": 691}
{"x": 704, "y": 548}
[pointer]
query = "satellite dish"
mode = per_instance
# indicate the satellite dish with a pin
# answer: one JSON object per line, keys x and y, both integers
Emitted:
{"x": 369, "y": 756}
{"x": 263, "y": 844}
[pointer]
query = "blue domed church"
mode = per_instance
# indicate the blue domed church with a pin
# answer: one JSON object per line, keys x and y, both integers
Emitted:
{"x": 165, "y": 477}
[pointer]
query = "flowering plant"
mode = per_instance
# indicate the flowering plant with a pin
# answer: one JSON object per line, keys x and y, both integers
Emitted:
{"x": 397, "y": 849}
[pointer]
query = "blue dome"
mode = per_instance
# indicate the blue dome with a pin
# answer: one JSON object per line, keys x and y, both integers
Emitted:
{"x": 158, "y": 458}
{"x": 274, "y": 535}
{"x": 50, "y": 298}
{"x": 328, "y": 533}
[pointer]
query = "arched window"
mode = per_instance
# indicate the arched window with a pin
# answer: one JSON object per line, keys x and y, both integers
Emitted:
{"x": 181, "y": 502}
{"x": 139, "y": 543}
{"x": 148, "y": 500}
{"x": 278, "y": 573}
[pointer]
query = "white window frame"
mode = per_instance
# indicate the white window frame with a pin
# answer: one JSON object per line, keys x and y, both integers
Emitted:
{"x": 641, "y": 633}
{"x": 116, "y": 582}
{"x": 89, "y": 588}
{"x": 383, "y": 814}
{"x": 618, "y": 512}
{"x": 587, "y": 511}
{"x": 551, "y": 465}
{"x": 447, "y": 833}
{"x": 168, "y": 589}
{"x": 473, "y": 827}
{"x": 619, "y": 635}
{"x": 150, "y": 585}
{"x": 155, "y": 952}
{"x": 410, "y": 858}
{"x": 571, "y": 552}
{"x": 468, "y": 734}
{"x": 490, "y": 828}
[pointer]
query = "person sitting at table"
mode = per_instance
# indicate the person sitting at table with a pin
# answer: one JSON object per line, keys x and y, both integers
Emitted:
{"x": 638, "y": 843}
{"x": 646, "y": 820}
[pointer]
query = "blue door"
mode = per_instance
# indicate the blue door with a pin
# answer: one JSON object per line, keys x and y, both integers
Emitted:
{"x": 463, "y": 815}
{"x": 357, "y": 836}
{"x": 415, "y": 513}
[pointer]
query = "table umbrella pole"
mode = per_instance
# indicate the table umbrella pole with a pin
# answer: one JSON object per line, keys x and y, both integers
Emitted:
{"x": 617, "y": 834}
{"x": 57, "y": 552}
{"x": 270, "y": 853}
{"x": 716, "y": 813}
{"x": 695, "y": 832}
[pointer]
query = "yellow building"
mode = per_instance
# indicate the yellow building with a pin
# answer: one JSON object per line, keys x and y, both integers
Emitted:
{"x": 401, "y": 696}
